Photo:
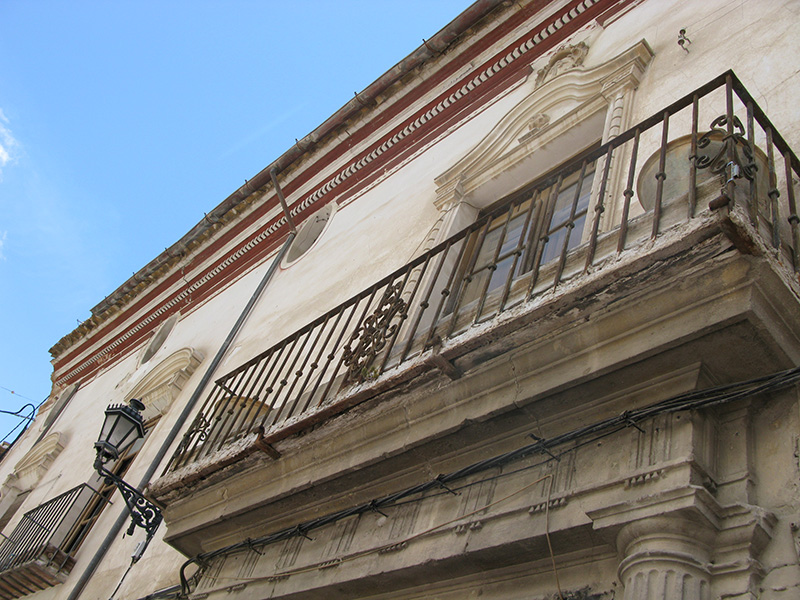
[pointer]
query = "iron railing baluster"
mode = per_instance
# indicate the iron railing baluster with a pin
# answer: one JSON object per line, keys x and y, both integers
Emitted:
{"x": 226, "y": 406}
{"x": 692, "y": 193}
{"x": 773, "y": 192}
{"x": 468, "y": 276}
{"x": 279, "y": 382}
{"x": 661, "y": 175}
{"x": 730, "y": 185}
{"x": 255, "y": 395}
{"x": 202, "y": 424}
{"x": 492, "y": 266}
{"x": 599, "y": 209}
{"x": 425, "y": 303}
{"x": 268, "y": 385}
{"x": 543, "y": 235}
{"x": 518, "y": 251}
{"x": 320, "y": 328}
{"x": 288, "y": 374}
{"x": 315, "y": 364}
{"x": 448, "y": 289}
{"x": 794, "y": 220}
{"x": 752, "y": 199}
{"x": 628, "y": 193}
{"x": 569, "y": 226}
{"x": 240, "y": 401}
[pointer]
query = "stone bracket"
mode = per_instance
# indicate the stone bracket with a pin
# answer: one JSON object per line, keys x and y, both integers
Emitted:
{"x": 445, "y": 366}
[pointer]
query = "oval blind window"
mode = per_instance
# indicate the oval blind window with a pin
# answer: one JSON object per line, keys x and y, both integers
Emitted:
{"x": 309, "y": 233}
{"x": 159, "y": 338}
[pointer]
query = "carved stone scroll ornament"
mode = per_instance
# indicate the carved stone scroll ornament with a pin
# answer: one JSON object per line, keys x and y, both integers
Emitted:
{"x": 539, "y": 122}
{"x": 536, "y": 125}
{"x": 370, "y": 338}
{"x": 564, "y": 59}
{"x": 735, "y": 145}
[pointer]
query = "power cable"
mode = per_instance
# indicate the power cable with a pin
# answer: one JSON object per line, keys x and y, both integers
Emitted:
{"x": 15, "y": 393}
{"x": 26, "y": 419}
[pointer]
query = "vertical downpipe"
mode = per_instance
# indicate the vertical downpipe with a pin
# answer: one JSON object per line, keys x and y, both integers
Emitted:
{"x": 183, "y": 417}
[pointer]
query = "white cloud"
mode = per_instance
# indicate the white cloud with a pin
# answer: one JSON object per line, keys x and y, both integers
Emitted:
{"x": 2, "y": 241}
{"x": 8, "y": 144}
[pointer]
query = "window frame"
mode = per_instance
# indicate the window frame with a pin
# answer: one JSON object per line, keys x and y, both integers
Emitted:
{"x": 535, "y": 204}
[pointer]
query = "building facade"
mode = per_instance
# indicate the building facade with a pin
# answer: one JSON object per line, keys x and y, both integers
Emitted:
{"x": 521, "y": 320}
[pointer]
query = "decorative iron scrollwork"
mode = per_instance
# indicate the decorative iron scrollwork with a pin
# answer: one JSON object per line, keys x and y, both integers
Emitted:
{"x": 370, "y": 338}
{"x": 742, "y": 163}
{"x": 199, "y": 429}
{"x": 144, "y": 513}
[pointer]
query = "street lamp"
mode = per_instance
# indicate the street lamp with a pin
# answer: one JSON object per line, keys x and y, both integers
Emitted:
{"x": 123, "y": 425}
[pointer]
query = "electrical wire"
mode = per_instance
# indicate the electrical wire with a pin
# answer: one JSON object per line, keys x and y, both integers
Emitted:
{"x": 15, "y": 393}
{"x": 124, "y": 575}
{"x": 27, "y": 419}
{"x": 547, "y": 536}
{"x": 693, "y": 400}
{"x": 415, "y": 536}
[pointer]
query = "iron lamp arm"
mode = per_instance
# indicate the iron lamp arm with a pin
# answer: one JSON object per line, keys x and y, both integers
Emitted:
{"x": 144, "y": 513}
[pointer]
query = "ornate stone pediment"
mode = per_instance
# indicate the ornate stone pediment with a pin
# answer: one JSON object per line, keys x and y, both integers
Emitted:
{"x": 561, "y": 103}
{"x": 30, "y": 469}
{"x": 163, "y": 383}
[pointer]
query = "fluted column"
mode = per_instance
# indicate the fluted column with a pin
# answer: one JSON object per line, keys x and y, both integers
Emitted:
{"x": 665, "y": 558}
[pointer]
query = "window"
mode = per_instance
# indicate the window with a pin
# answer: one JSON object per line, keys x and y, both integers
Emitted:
{"x": 525, "y": 234}
{"x": 308, "y": 234}
{"x": 565, "y": 226}
{"x": 159, "y": 338}
{"x": 57, "y": 409}
{"x": 104, "y": 491}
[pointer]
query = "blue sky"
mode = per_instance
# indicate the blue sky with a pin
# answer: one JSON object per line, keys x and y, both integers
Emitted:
{"x": 122, "y": 122}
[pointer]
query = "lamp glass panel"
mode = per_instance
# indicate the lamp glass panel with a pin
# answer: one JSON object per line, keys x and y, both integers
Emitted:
{"x": 121, "y": 428}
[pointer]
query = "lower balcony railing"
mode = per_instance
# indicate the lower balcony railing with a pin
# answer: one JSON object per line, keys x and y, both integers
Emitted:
{"x": 39, "y": 551}
{"x": 713, "y": 148}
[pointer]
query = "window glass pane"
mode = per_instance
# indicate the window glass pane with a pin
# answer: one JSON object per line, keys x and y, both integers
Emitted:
{"x": 577, "y": 232}
{"x": 500, "y": 274}
{"x": 586, "y": 192}
{"x": 553, "y": 246}
{"x": 512, "y": 236}
{"x": 563, "y": 206}
{"x": 486, "y": 253}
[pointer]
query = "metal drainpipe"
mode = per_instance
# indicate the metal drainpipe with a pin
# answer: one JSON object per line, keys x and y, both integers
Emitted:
{"x": 176, "y": 428}
{"x": 273, "y": 174}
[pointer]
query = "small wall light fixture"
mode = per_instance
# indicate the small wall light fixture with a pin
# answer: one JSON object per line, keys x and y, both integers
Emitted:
{"x": 123, "y": 425}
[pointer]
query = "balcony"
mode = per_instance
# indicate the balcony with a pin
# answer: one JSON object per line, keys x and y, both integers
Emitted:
{"x": 39, "y": 552}
{"x": 711, "y": 162}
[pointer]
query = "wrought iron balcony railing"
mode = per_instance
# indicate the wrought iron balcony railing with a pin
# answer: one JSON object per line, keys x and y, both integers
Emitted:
{"x": 715, "y": 147}
{"x": 39, "y": 552}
